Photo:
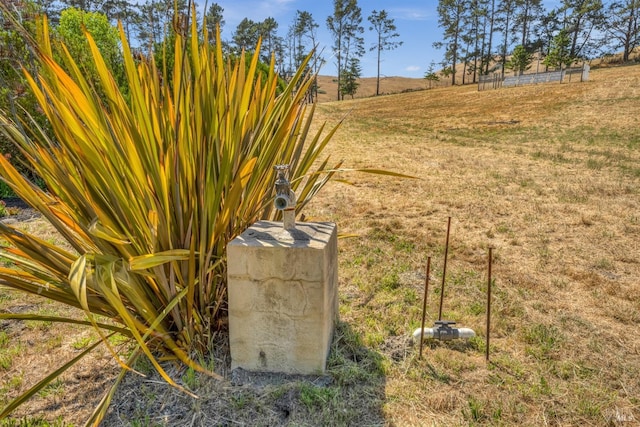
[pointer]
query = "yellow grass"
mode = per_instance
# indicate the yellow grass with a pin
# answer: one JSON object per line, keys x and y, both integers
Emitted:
{"x": 547, "y": 175}
{"x": 328, "y": 87}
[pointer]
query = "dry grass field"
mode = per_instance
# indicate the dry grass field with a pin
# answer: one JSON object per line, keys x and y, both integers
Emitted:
{"x": 546, "y": 175}
{"x": 327, "y": 87}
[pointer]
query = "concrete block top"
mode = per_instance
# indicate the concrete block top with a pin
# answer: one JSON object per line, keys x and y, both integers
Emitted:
{"x": 313, "y": 235}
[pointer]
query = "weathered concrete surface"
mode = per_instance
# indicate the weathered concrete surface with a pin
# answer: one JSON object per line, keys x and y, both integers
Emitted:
{"x": 283, "y": 297}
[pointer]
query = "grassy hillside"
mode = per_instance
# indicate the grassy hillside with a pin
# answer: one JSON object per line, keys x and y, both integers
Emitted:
{"x": 547, "y": 175}
{"x": 327, "y": 87}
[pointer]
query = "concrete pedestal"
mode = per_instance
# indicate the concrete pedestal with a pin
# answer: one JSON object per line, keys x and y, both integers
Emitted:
{"x": 283, "y": 297}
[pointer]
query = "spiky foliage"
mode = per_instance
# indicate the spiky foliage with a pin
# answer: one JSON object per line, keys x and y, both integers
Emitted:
{"x": 148, "y": 189}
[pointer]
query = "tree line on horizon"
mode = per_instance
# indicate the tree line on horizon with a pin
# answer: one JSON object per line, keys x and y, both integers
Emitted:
{"x": 481, "y": 36}
{"x": 486, "y": 36}
{"x": 147, "y": 24}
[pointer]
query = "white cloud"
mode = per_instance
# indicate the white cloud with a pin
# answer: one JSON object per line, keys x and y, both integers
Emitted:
{"x": 272, "y": 6}
{"x": 412, "y": 68}
{"x": 411, "y": 14}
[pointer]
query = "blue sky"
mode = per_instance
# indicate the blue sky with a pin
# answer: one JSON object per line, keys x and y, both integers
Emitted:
{"x": 416, "y": 22}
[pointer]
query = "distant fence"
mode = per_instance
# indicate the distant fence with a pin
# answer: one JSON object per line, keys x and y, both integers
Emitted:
{"x": 496, "y": 80}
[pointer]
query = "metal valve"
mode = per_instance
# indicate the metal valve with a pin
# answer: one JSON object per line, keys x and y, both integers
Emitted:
{"x": 443, "y": 330}
{"x": 285, "y": 199}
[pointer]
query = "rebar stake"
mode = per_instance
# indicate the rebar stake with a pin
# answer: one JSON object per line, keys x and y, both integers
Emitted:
{"x": 444, "y": 269}
{"x": 424, "y": 303}
{"x": 489, "y": 303}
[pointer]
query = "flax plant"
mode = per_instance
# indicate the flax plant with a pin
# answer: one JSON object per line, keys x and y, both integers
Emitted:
{"x": 149, "y": 187}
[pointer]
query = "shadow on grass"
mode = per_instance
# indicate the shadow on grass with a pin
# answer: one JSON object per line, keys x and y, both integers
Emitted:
{"x": 350, "y": 393}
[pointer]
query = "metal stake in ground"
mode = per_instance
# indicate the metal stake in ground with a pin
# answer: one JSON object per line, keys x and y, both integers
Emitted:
{"x": 424, "y": 303}
{"x": 444, "y": 269}
{"x": 489, "y": 303}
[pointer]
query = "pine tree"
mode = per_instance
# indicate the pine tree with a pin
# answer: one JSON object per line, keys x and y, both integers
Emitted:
{"x": 506, "y": 11}
{"x": 560, "y": 51}
{"x": 528, "y": 13}
{"x": 346, "y": 31}
{"x": 549, "y": 27}
{"x": 215, "y": 19}
{"x": 271, "y": 42}
{"x": 304, "y": 33}
{"x": 385, "y": 30}
{"x": 350, "y": 76}
{"x": 431, "y": 76}
{"x": 474, "y": 34}
{"x": 491, "y": 18}
{"x": 450, "y": 15}
{"x": 581, "y": 19}
{"x": 520, "y": 60}
{"x": 246, "y": 35}
{"x": 623, "y": 26}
